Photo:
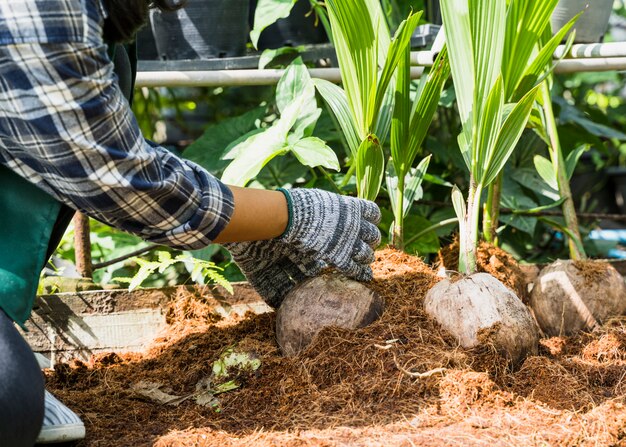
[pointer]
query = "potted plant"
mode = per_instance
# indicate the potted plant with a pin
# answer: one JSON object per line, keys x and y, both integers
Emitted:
{"x": 593, "y": 23}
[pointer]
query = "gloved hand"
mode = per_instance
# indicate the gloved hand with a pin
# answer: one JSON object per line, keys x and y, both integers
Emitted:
{"x": 273, "y": 268}
{"x": 338, "y": 230}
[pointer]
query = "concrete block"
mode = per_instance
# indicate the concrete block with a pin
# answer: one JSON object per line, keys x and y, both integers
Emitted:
{"x": 65, "y": 326}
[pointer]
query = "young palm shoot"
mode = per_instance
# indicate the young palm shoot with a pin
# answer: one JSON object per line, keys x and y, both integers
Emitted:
{"x": 527, "y": 60}
{"x": 475, "y": 34}
{"x": 409, "y": 126}
{"x": 363, "y": 108}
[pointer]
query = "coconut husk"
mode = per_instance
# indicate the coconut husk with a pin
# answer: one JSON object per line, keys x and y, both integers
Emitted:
{"x": 570, "y": 296}
{"x": 400, "y": 381}
{"x": 489, "y": 259}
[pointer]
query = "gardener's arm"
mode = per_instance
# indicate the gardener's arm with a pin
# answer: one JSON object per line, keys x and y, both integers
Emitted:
{"x": 66, "y": 127}
{"x": 258, "y": 215}
{"x": 73, "y": 134}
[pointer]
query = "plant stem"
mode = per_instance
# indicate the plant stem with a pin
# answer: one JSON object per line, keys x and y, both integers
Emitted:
{"x": 397, "y": 238}
{"x": 468, "y": 240}
{"x": 491, "y": 211}
{"x": 576, "y": 249}
{"x": 348, "y": 175}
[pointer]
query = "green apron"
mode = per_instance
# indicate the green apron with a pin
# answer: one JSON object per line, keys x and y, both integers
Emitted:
{"x": 32, "y": 222}
{"x": 27, "y": 218}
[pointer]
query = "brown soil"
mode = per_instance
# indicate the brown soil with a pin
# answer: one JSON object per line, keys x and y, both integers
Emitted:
{"x": 355, "y": 388}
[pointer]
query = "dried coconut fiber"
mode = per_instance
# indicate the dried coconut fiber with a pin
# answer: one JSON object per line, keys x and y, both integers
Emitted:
{"x": 400, "y": 381}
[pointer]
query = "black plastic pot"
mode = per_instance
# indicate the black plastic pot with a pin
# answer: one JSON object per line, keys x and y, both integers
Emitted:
{"x": 298, "y": 28}
{"x": 203, "y": 29}
{"x": 591, "y": 26}
{"x": 146, "y": 45}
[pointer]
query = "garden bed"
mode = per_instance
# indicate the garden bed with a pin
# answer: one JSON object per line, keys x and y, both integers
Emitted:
{"x": 356, "y": 388}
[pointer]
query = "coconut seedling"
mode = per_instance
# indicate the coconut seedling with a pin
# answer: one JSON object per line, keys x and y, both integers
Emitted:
{"x": 478, "y": 308}
{"x": 529, "y": 47}
{"x": 368, "y": 60}
{"x": 409, "y": 127}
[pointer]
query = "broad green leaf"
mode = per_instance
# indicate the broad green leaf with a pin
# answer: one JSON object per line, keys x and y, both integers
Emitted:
{"x": 292, "y": 83}
{"x": 459, "y": 40}
{"x": 313, "y": 152}
{"x": 545, "y": 169}
{"x": 233, "y": 150}
{"x": 510, "y": 134}
{"x": 268, "y": 56}
{"x": 268, "y": 12}
{"x": 529, "y": 178}
{"x": 305, "y": 125}
{"x": 281, "y": 172}
{"x": 570, "y": 114}
{"x": 572, "y": 159}
{"x": 370, "y": 168}
{"x": 526, "y": 224}
{"x": 208, "y": 150}
{"x": 296, "y": 85}
{"x": 297, "y": 110}
{"x": 428, "y": 242}
{"x": 337, "y": 100}
{"x": 513, "y": 196}
{"x": 257, "y": 152}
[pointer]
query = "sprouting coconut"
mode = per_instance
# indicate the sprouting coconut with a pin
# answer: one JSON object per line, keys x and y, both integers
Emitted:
{"x": 323, "y": 301}
{"x": 570, "y": 296}
{"x": 496, "y": 81}
{"x": 479, "y": 309}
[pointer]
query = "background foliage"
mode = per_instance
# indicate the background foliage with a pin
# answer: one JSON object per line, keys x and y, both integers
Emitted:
{"x": 203, "y": 123}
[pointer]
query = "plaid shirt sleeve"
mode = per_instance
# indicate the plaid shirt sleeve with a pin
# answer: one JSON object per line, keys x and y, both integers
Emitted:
{"x": 65, "y": 126}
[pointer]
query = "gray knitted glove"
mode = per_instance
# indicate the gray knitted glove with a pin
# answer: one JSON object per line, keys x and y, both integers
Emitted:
{"x": 338, "y": 230}
{"x": 273, "y": 268}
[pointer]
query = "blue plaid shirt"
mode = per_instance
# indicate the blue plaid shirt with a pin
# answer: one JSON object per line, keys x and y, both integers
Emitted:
{"x": 65, "y": 126}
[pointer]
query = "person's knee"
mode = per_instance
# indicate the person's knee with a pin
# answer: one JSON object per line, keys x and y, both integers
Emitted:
{"x": 21, "y": 389}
